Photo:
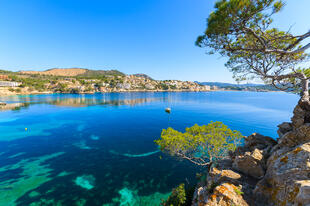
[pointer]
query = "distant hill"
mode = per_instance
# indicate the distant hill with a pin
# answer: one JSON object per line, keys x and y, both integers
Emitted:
{"x": 247, "y": 86}
{"x": 75, "y": 72}
{"x": 223, "y": 84}
{"x": 143, "y": 75}
{"x": 58, "y": 72}
{"x": 97, "y": 73}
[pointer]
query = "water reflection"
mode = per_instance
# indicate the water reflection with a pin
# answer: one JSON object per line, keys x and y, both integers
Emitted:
{"x": 72, "y": 100}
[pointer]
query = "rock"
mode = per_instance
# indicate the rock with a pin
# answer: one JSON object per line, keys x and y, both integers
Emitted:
{"x": 296, "y": 137}
{"x": 224, "y": 195}
{"x": 284, "y": 128}
{"x": 271, "y": 172}
{"x": 258, "y": 141}
{"x": 298, "y": 117}
{"x": 288, "y": 140}
{"x": 303, "y": 133}
{"x": 250, "y": 163}
{"x": 216, "y": 176}
{"x": 223, "y": 187}
{"x": 303, "y": 196}
{"x": 287, "y": 177}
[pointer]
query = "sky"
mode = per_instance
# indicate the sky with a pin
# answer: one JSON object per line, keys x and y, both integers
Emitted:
{"x": 155, "y": 37}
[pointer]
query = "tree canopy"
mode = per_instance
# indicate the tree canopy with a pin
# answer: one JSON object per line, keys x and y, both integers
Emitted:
{"x": 201, "y": 145}
{"x": 242, "y": 30}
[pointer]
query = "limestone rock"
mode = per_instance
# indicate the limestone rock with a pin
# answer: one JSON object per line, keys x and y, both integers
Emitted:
{"x": 295, "y": 137}
{"x": 287, "y": 178}
{"x": 258, "y": 141}
{"x": 251, "y": 163}
{"x": 298, "y": 117}
{"x": 216, "y": 176}
{"x": 303, "y": 196}
{"x": 225, "y": 194}
{"x": 284, "y": 128}
{"x": 223, "y": 187}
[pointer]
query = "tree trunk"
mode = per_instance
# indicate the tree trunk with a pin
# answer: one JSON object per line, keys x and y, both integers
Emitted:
{"x": 210, "y": 167}
{"x": 305, "y": 89}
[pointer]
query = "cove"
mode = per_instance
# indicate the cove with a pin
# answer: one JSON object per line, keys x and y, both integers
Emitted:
{"x": 101, "y": 147}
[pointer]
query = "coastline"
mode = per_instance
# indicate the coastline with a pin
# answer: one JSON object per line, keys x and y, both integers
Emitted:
{"x": 4, "y": 94}
{"x": 122, "y": 91}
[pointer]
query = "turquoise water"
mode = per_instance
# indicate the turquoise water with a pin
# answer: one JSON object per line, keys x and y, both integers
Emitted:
{"x": 66, "y": 149}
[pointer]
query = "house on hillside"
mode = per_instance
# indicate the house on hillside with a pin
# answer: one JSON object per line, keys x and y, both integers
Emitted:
{"x": 4, "y": 77}
{"x": 9, "y": 84}
{"x": 207, "y": 87}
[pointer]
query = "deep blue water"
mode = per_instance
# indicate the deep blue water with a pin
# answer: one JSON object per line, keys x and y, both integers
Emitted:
{"x": 98, "y": 149}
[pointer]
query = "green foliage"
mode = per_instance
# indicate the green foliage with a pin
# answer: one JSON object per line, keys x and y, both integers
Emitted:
{"x": 212, "y": 186}
{"x": 18, "y": 90}
{"x": 61, "y": 87}
{"x": 238, "y": 191}
{"x": 201, "y": 145}
{"x": 177, "y": 197}
{"x": 100, "y": 74}
{"x": 163, "y": 86}
{"x": 241, "y": 30}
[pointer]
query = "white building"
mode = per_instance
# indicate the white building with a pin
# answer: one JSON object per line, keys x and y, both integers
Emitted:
{"x": 9, "y": 84}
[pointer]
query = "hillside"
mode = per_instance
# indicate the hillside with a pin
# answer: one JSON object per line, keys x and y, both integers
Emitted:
{"x": 72, "y": 72}
{"x": 58, "y": 72}
{"x": 77, "y": 80}
{"x": 246, "y": 87}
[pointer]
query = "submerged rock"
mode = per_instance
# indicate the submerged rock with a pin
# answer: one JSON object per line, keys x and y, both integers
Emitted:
{"x": 128, "y": 197}
{"x": 86, "y": 181}
{"x": 94, "y": 137}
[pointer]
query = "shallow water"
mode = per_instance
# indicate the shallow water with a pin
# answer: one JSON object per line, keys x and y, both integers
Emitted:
{"x": 66, "y": 149}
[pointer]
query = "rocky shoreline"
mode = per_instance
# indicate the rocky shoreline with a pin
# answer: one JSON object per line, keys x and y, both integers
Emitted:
{"x": 263, "y": 171}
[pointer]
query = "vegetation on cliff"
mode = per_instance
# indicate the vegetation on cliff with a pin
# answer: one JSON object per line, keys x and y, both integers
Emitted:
{"x": 201, "y": 145}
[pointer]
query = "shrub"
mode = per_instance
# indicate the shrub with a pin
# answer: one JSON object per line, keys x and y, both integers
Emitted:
{"x": 177, "y": 197}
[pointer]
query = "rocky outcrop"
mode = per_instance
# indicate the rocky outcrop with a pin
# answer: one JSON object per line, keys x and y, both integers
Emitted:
{"x": 251, "y": 158}
{"x": 264, "y": 171}
{"x": 286, "y": 171}
{"x": 222, "y": 187}
{"x": 287, "y": 177}
{"x": 251, "y": 163}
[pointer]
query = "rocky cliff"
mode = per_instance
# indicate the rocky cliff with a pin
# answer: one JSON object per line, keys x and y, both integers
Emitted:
{"x": 263, "y": 171}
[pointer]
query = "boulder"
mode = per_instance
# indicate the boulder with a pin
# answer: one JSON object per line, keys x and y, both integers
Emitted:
{"x": 224, "y": 187}
{"x": 250, "y": 163}
{"x": 258, "y": 141}
{"x": 303, "y": 196}
{"x": 216, "y": 176}
{"x": 298, "y": 118}
{"x": 295, "y": 137}
{"x": 284, "y": 128}
{"x": 287, "y": 177}
{"x": 226, "y": 194}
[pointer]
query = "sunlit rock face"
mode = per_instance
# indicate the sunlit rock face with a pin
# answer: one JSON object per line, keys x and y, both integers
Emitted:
{"x": 287, "y": 177}
{"x": 263, "y": 171}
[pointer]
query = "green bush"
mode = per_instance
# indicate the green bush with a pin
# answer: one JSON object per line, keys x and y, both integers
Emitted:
{"x": 201, "y": 145}
{"x": 177, "y": 197}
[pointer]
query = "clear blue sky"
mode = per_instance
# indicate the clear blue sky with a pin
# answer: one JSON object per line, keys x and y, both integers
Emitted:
{"x": 155, "y": 37}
